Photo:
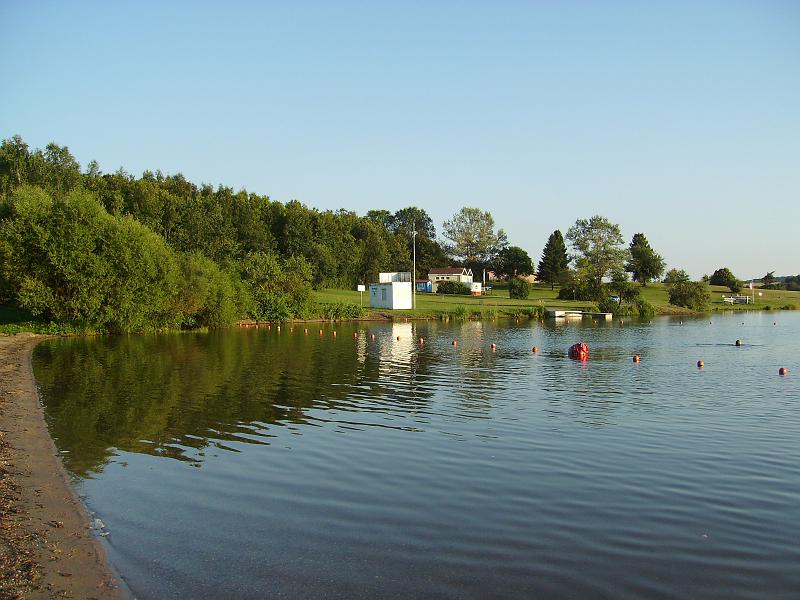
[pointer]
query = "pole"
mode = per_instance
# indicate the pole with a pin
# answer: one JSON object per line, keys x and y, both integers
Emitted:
{"x": 414, "y": 267}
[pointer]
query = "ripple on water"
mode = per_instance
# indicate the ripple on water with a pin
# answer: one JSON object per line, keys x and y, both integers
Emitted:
{"x": 313, "y": 467}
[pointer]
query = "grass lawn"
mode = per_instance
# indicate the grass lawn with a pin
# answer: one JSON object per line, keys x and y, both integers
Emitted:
{"x": 498, "y": 301}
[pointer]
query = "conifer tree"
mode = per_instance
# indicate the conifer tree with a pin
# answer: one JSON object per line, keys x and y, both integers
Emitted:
{"x": 554, "y": 260}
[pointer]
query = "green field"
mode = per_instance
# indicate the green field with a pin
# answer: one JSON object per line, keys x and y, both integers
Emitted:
{"x": 498, "y": 302}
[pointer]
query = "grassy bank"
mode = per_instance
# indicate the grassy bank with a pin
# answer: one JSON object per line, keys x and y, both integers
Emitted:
{"x": 498, "y": 302}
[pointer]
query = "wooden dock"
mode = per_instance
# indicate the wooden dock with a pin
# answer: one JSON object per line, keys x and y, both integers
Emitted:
{"x": 577, "y": 314}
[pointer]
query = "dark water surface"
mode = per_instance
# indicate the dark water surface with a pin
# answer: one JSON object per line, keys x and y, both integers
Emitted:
{"x": 260, "y": 464}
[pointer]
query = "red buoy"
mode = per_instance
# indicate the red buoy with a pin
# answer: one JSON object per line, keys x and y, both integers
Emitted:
{"x": 579, "y": 351}
{"x": 783, "y": 371}
{"x": 535, "y": 349}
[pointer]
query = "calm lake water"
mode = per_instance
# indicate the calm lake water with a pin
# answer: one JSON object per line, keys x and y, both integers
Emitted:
{"x": 258, "y": 463}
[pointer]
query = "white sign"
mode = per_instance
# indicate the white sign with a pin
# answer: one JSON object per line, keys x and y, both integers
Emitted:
{"x": 362, "y": 288}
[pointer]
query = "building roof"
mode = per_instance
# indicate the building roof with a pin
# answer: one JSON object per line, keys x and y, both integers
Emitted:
{"x": 451, "y": 271}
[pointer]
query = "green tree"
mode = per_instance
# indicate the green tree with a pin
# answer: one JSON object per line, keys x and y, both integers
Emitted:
{"x": 724, "y": 277}
{"x": 644, "y": 264}
{"x": 68, "y": 260}
{"x": 598, "y": 251}
{"x": 513, "y": 261}
{"x": 689, "y": 294}
{"x": 472, "y": 237}
{"x": 768, "y": 281}
{"x": 410, "y": 218}
{"x": 14, "y": 158}
{"x": 554, "y": 262}
{"x": 676, "y": 276}
{"x": 518, "y": 289}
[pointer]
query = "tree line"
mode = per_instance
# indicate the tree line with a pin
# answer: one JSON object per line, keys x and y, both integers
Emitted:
{"x": 117, "y": 252}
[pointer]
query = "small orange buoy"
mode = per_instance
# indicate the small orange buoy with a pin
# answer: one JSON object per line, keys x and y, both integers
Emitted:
{"x": 494, "y": 346}
{"x": 291, "y": 329}
{"x": 373, "y": 337}
{"x": 535, "y": 349}
{"x": 269, "y": 326}
{"x": 398, "y": 338}
{"x": 355, "y": 336}
{"x": 305, "y": 331}
{"x": 320, "y": 331}
{"x": 783, "y": 371}
{"x": 334, "y": 334}
{"x": 455, "y": 343}
{"x": 700, "y": 364}
{"x": 637, "y": 358}
{"x": 422, "y": 340}
{"x": 738, "y": 342}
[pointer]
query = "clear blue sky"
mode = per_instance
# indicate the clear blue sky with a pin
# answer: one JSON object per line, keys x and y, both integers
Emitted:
{"x": 680, "y": 120}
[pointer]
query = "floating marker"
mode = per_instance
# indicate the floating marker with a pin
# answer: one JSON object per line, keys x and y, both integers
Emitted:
{"x": 535, "y": 349}
{"x": 373, "y": 337}
{"x": 700, "y": 364}
{"x": 422, "y": 340}
{"x": 305, "y": 331}
{"x": 738, "y": 342}
{"x": 494, "y": 346}
{"x": 398, "y": 338}
{"x": 334, "y": 334}
{"x": 320, "y": 331}
{"x": 637, "y": 358}
{"x": 455, "y": 343}
{"x": 783, "y": 371}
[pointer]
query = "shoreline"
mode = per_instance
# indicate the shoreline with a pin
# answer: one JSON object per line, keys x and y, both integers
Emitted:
{"x": 47, "y": 547}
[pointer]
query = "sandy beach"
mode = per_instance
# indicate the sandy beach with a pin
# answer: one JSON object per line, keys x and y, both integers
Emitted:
{"x": 47, "y": 548}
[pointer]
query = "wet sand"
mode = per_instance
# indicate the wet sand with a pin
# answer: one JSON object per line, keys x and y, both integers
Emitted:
{"x": 47, "y": 548}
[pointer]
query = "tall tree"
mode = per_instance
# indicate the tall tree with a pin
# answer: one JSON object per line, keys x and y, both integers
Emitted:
{"x": 597, "y": 243}
{"x": 407, "y": 219}
{"x": 512, "y": 262}
{"x": 644, "y": 264}
{"x": 472, "y": 237}
{"x": 554, "y": 262}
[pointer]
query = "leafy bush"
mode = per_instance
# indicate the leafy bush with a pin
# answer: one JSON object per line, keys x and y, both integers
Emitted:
{"x": 518, "y": 289}
{"x": 533, "y": 312}
{"x": 70, "y": 261}
{"x": 726, "y": 278}
{"x": 690, "y": 294}
{"x": 461, "y": 312}
{"x": 453, "y": 287}
{"x": 338, "y": 311}
{"x": 645, "y": 309}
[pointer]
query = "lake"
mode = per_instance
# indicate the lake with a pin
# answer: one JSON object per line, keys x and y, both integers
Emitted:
{"x": 274, "y": 463}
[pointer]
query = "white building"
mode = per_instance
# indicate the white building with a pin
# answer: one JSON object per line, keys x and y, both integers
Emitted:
{"x": 460, "y": 275}
{"x": 392, "y": 291}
